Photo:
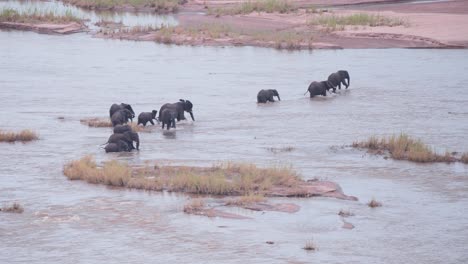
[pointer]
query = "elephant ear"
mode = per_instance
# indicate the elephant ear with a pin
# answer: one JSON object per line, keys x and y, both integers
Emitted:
{"x": 188, "y": 105}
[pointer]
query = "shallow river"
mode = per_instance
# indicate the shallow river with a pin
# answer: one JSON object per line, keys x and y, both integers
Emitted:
{"x": 420, "y": 92}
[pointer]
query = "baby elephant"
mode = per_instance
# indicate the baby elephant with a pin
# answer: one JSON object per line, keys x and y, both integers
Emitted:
{"x": 267, "y": 96}
{"x": 319, "y": 88}
{"x": 120, "y": 129}
{"x": 127, "y": 137}
{"x": 168, "y": 118}
{"x": 146, "y": 117}
{"x": 117, "y": 147}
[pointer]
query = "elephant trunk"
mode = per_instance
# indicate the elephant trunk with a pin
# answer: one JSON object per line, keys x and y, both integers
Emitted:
{"x": 349, "y": 82}
{"x": 306, "y": 92}
{"x": 191, "y": 115}
{"x": 279, "y": 99}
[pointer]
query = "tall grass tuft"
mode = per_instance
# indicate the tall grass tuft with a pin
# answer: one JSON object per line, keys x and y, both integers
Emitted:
{"x": 35, "y": 16}
{"x": 96, "y": 122}
{"x": 222, "y": 179}
{"x": 404, "y": 147}
{"x": 23, "y": 136}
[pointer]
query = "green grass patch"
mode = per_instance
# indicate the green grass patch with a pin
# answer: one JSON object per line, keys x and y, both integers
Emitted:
{"x": 267, "y": 6}
{"x": 162, "y": 6}
{"x": 35, "y": 16}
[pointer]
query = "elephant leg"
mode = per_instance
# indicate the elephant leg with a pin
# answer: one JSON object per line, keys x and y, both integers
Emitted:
{"x": 173, "y": 124}
{"x": 162, "y": 125}
{"x": 152, "y": 123}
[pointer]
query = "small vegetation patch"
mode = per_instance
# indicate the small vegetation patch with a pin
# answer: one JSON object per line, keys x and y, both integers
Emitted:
{"x": 36, "y": 16}
{"x": 14, "y": 208}
{"x": 374, "y": 203}
{"x": 267, "y": 6}
{"x": 281, "y": 149}
{"x": 345, "y": 213}
{"x": 160, "y": 6}
{"x": 23, "y": 136}
{"x": 96, "y": 122}
{"x": 464, "y": 158}
{"x": 333, "y": 22}
{"x": 310, "y": 246}
{"x": 194, "y": 205}
{"x": 404, "y": 147}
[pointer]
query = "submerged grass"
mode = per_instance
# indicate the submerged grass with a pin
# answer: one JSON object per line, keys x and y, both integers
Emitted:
{"x": 194, "y": 205}
{"x": 374, "y": 203}
{"x": 14, "y": 208}
{"x": 338, "y": 22}
{"x": 162, "y": 6}
{"x": 96, "y": 122}
{"x": 246, "y": 200}
{"x": 404, "y": 147}
{"x": 222, "y": 32}
{"x": 310, "y": 246}
{"x": 223, "y": 179}
{"x": 267, "y": 6}
{"x": 35, "y": 16}
{"x": 23, "y": 136}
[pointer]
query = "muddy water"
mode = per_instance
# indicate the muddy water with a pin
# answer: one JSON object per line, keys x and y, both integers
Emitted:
{"x": 421, "y": 92}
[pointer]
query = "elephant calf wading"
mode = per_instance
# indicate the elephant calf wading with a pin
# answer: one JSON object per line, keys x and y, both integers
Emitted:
{"x": 146, "y": 117}
{"x": 120, "y": 129}
{"x": 179, "y": 108}
{"x": 117, "y": 147}
{"x": 128, "y": 137}
{"x": 338, "y": 78}
{"x": 168, "y": 118}
{"x": 116, "y": 107}
{"x": 121, "y": 117}
{"x": 264, "y": 96}
{"x": 319, "y": 88}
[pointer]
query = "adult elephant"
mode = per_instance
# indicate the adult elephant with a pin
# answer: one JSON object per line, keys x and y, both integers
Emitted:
{"x": 146, "y": 117}
{"x": 264, "y": 96}
{"x": 338, "y": 78}
{"x": 121, "y": 117}
{"x": 179, "y": 108}
{"x": 117, "y": 147}
{"x": 116, "y": 107}
{"x": 319, "y": 88}
{"x": 168, "y": 117}
{"x": 128, "y": 137}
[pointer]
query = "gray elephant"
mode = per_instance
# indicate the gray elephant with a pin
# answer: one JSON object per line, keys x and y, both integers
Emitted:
{"x": 168, "y": 118}
{"x": 179, "y": 107}
{"x": 264, "y": 96}
{"x": 121, "y": 117}
{"x": 146, "y": 117}
{"x": 120, "y": 129}
{"x": 319, "y": 88}
{"x": 338, "y": 78}
{"x": 116, "y": 107}
{"x": 128, "y": 137}
{"x": 117, "y": 147}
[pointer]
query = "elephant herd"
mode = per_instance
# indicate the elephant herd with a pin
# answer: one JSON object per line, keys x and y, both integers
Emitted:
{"x": 123, "y": 137}
{"x": 315, "y": 88}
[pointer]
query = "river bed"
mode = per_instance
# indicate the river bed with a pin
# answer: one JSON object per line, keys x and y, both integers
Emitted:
{"x": 419, "y": 92}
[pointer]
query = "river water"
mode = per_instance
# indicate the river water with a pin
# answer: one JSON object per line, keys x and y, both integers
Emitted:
{"x": 420, "y": 92}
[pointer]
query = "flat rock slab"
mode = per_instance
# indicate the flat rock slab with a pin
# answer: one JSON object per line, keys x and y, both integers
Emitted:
{"x": 280, "y": 207}
{"x": 46, "y": 28}
{"x": 210, "y": 212}
{"x": 312, "y": 188}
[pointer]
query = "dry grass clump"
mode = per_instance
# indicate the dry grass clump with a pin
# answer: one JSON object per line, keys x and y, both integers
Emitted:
{"x": 338, "y": 22}
{"x": 404, "y": 147}
{"x": 310, "y": 246}
{"x": 464, "y": 158}
{"x": 23, "y": 136}
{"x": 96, "y": 122}
{"x": 374, "y": 203}
{"x": 160, "y": 6}
{"x": 345, "y": 213}
{"x": 35, "y": 16}
{"x": 267, "y": 6}
{"x": 246, "y": 200}
{"x": 14, "y": 208}
{"x": 194, "y": 205}
{"x": 223, "y": 179}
